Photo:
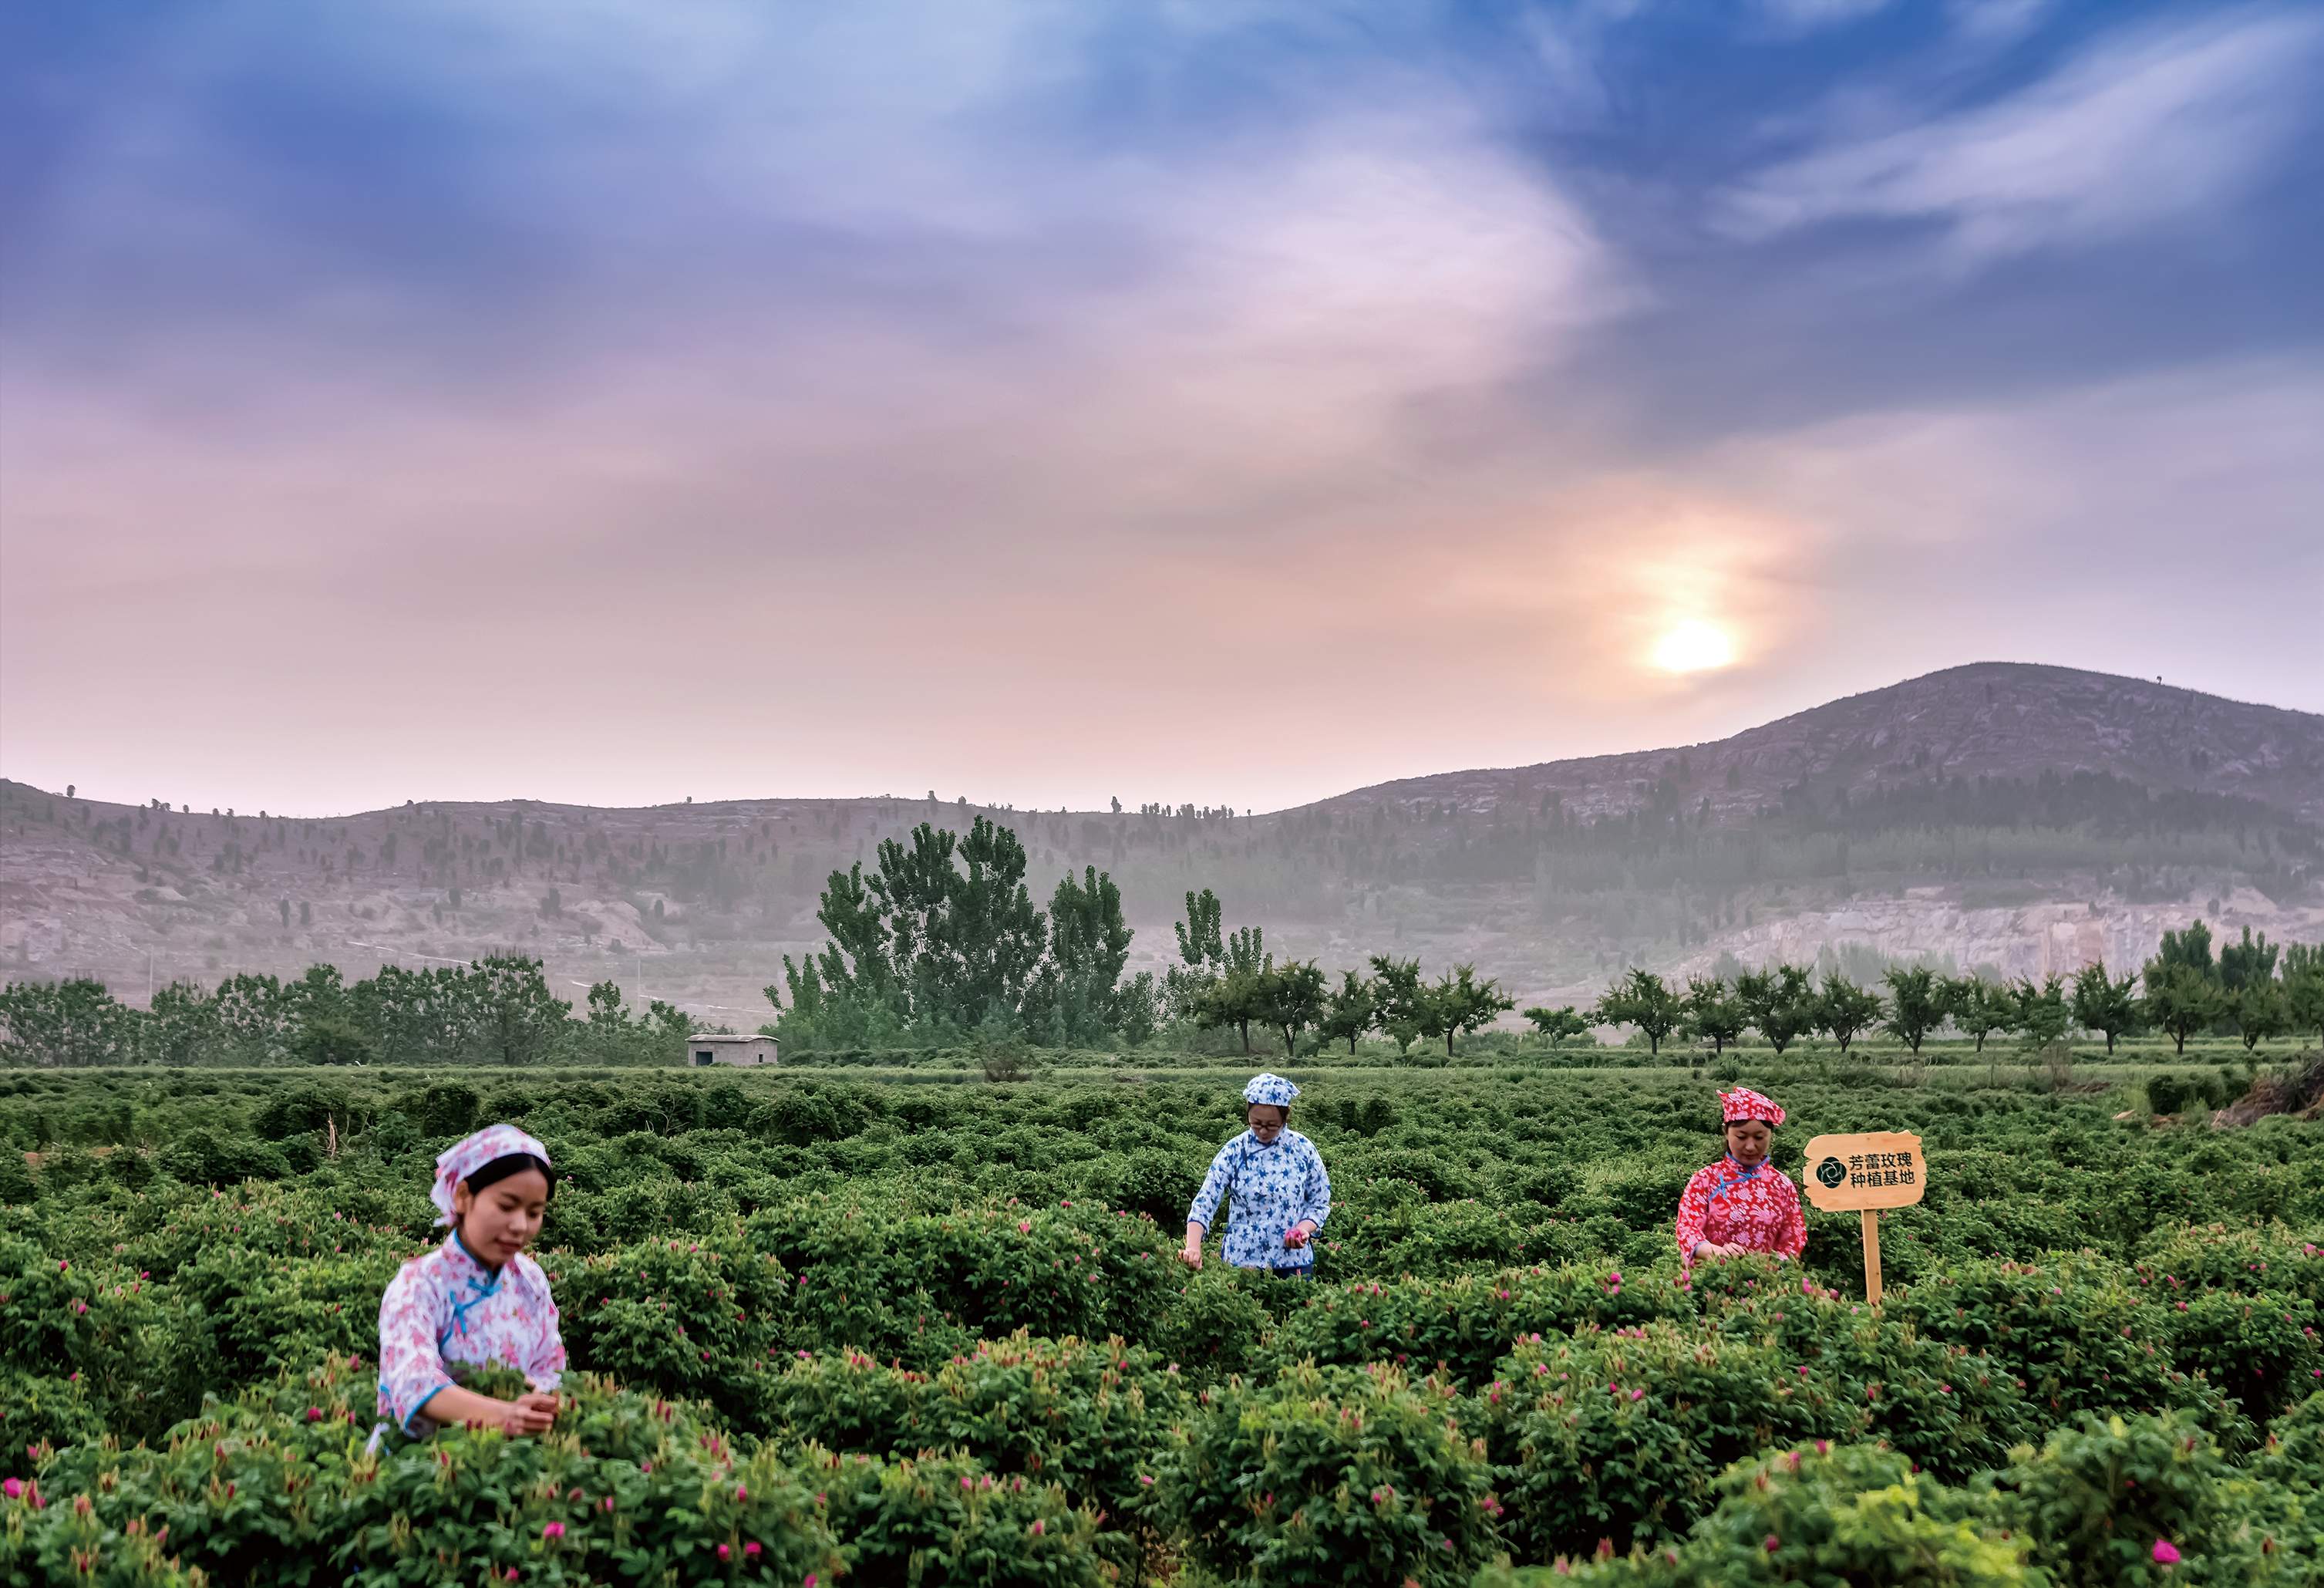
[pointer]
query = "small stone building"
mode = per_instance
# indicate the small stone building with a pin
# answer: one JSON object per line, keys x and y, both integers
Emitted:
{"x": 709, "y": 1048}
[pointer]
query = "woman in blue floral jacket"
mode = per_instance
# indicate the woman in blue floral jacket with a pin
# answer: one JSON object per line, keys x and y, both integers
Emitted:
{"x": 1281, "y": 1194}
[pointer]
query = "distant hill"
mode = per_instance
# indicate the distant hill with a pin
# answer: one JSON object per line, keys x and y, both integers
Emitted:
{"x": 2030, "y": 817}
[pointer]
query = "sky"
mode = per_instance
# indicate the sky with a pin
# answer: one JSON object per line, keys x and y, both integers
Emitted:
{"x": 1047, "y": 401}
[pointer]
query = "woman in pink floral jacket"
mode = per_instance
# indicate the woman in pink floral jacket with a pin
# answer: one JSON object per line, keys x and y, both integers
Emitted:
{"x": 477, "y": 1300}
{"x": 1742, "y": 1203}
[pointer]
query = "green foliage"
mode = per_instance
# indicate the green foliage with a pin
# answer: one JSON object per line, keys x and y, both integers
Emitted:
{"x": 2106, "y": 1004}
{"x": 1556, "y": 1025}
{"x": 1845, "y": 1009}
{"x": 1329, "y": 1472}
{"x": 1978, "y": 1008}
{"x": 2181, "y": 1000}
{"x": 1642, "y": 999}
{"x": 1713, "y": 1012}
{"x": 2040, "y": 1010}
{"x": 2098, "y": 1495}
{"x": 1781, "y": 1003}
{"x": 884, "y": 1288}
{"x": 1916, "y": 1004}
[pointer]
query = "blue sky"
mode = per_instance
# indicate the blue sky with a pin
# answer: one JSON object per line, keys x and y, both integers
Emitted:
{"x": 1235, "y": 403}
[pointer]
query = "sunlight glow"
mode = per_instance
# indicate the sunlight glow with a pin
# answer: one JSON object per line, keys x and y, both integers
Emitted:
{"x": 1693, "y": 646}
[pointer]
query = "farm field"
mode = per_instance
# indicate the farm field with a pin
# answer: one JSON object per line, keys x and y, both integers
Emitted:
{"x": 881, "y": 1326}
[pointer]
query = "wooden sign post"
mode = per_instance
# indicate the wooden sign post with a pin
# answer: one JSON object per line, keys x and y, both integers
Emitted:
{"x": 1867, "y": 1172}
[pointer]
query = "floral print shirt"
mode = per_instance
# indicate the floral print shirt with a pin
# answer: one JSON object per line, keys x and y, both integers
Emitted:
{"x": 444, "y": 1312}
{"x": 1757, "y": 1209}
{"x": 1274, "y": 1184}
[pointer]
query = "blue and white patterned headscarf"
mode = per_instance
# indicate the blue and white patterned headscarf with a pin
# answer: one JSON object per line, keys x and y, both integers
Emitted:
{"x": 1270, "y": 1089}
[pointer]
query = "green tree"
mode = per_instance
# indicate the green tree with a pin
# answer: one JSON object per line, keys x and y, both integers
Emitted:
{"x": 1202, "y": 953}
{"x": 1916, "y": 1004}
{"x": 1978, "y": 1008}
{"x": 1077, "y": 994}
{"x": 2259, "y": 1012}
{"x": 181, "y": 1028}
{"x": 1714, "y": 1011}
{"x": 1642, "y": 999}
{"x": 1348, "y": 1014}
{"x": 2104, "y": 1005}
{"x": 65, "y": 1025}
{"x": 330, "y": 1038}
{"x": 1235, "y": 999}
{"x": 1781, "y": 1003}
{"x": 2039, "y": 1010}
{"x": 1398, "y": 1000}
{"x": 1557, "y": 1024}
{"x": 520, "y": 1015}
{"x": 2304, "y": 987}
{"x": 1200, "y": 944}
{"x": 1846, "y": 1010}
{"x": 2189, "y": 946}
{"x": 1292, "y": 998}
{"x": 2249, "y": 961}
{"x": 2180, "y": 1000}
{"x": 1460, "y": 1003}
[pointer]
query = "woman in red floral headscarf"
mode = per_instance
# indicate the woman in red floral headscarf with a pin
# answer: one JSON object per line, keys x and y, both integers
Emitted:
{"x": 1742, "y": 1203}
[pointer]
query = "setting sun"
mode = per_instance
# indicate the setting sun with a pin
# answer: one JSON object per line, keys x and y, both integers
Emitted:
{"x": 1693, "y": 647}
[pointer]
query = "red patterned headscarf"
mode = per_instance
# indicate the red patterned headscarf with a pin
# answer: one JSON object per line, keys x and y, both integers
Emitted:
{"x": 1743, "y": 1103}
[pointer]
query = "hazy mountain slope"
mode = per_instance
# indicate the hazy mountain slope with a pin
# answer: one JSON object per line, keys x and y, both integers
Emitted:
{"x": 2028, "y": 817}
{"x": 1987, "y": 719}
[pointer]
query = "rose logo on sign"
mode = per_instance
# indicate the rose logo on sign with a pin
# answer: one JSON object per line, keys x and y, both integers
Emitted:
{"x": 1831, "y": 1172}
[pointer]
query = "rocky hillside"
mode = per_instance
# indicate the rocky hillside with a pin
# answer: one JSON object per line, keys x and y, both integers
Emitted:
{"x": 1985, "y": 720}
{"x": 2027, "y": 818}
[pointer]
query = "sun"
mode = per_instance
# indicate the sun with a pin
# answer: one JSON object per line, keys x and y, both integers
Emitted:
{"x": 1693, "y": 646}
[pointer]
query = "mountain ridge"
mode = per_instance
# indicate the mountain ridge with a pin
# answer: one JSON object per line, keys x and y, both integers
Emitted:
{"x": 2012, "y": 813}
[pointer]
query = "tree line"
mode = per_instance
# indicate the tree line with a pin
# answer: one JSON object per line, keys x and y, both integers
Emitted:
{"x": 498, "y": 1009}
{"x": 940, "y": 942}
{"x": 2181, "y": 991}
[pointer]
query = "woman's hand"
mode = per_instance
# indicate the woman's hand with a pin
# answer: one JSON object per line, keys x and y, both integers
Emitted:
{"x": 1712, "y": 1249}
{"x": 530, "y": 1413}
{"x": 1191, "y": 1254}
{"x": 1297, "y": 1235}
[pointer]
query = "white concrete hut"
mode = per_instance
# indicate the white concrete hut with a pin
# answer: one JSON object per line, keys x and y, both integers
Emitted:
{"x": 709, "y": 1048}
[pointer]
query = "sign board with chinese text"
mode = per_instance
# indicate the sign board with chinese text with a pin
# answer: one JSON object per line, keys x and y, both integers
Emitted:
{"x": 1879, "y": 1168}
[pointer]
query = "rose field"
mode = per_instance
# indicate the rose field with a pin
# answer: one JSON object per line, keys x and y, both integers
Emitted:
{"x": 832, "y": 1329}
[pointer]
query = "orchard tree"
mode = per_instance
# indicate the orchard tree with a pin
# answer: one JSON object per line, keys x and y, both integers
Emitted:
{"x": 1916, "y": 1004}
{"x": 1348, "y": 1014}
{"x": 1556, "y": 1024}
{"x": 2259, "y": 1012}
{"x": 2303, "y": 988}
{"x": 1714, "y": 1012}
{"x": 1293, "y": 997}
{"x": 1398, "y": 1000}
{"x": 2180, "y": 1000}
{"x": 1462, "y": 1004}
{"x": 1642, "y": 999}
{"x": 1235, "y": 999}
{"x": 1845, "y": 1009}
{"x": 2104, "y": 1005}
{"x": 1978, "y": 1008}
{"x": 2040, "y": 1010}
{"x": 1781, "y": 1003}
